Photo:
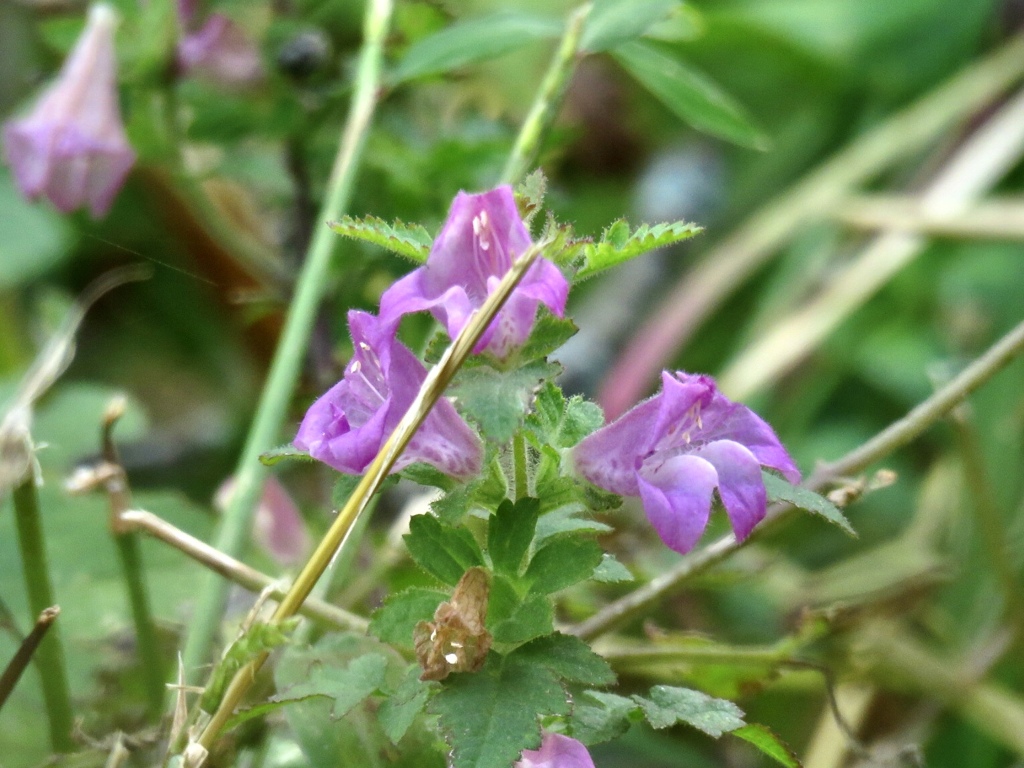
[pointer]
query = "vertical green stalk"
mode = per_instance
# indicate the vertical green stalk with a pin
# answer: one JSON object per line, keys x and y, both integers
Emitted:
{"x": 49, "y": 656}
{"x": 291, "y": 350}
{"x": 522, "y": 476}
{"x": 548, "y": 101}
{"x": 145, "y": 630}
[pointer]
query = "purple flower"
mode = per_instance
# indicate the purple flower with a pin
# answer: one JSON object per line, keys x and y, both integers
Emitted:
{"x": 556, "y": 751}
{"x": 348, "y": 425}
{"x": 481, "y": 237}
{"x": 218, "y": 51}
{"x": 72, "y": 147}
{"x": 278, "y": 527}
{"x": 674, "y": 449}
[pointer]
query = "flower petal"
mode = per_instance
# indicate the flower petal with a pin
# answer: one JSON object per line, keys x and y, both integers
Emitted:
{"x": 676, "y": 495}
{"x": 740, "y": 485}
{"x": 556, "y": 751}
{"x": 610, "y": 457}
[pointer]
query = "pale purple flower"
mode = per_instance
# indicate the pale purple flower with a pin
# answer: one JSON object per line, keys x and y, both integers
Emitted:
{"x": 278, "y": 527}
{"x": 481, "y": 237}
{"x": 348, "y": 425}
{"x": 674, "y": 449}
{"x": 219, "y": 50}
{"x": 556, "y": 751}
{"x": 72, "y": 147}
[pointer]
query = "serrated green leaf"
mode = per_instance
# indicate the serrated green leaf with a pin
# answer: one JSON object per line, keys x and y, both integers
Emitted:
{"x": 549, "y": 333}
{"x": 618, "y": 244}
{"x": 534, "y": 617}
{"x": 612, "y": 22}
{"x": 398, "y": 711}
{"x": 510, "y": 532}
{"x": 424, "y": 474}
{"x": 409, "y": 240}
{"x": 283, "y": 453}
{"x": 599, "y": 716}
{"x": 395, "y": 620}
{"x": 565, "y": 520}
{"x": 444, "y": 551}
{"x": 346, "y": 686}
{"x": 690, "y": 94}
{"x": 530, "y": 194}
{"x": 779, "y": 489}
{"x": 568, "y": 657}
{"x": 491, "y": 716}
{"x": 498, "y": 400}
{"x": 769, "y": 743}
{"x": 562, "y": 562}
{"x": 467, "y": 42}
{"x": 342, "y": 489}
{"x": 667, "y": 705}
{"x": 611, "y": 571}
{"x": 559, "y": 422}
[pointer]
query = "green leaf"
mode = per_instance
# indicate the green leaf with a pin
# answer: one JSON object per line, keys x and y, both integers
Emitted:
{"x": 565, "y": 520}
{"x": 491, "y": 716}
{"x": 443, "y": 551}
{"x": 599, "y": 716}
{"x": 510, "y": 532}
{"x": 260, "y": 637}
{"x": 548, "y": 334}
{"x": 619, "y": 244}
{"x": 533, "y": 617}
{"x": 568, "y": 657}
{"x": 36, "y": 238}
{"x": 343, "y": 487}
{"x": 395, "y": 620}
{"x": 611, "y": 571}
{"x": 769, "y": 743}
{"x": 530, "y": 194}
{"x": 498, "y": 400}
{"x": 467, "y": 42}
{"x": 561, "y": 423}
{"x": 690, "y": 94}
{"x": 283, "y": 453}
{"x": 346, "y": 686}
{"x": 612, "y": 22}
{"x": 399, "y": 710}
{"x": 668, "y": 705}
{"x": 562, "y": 562}
{"x": 779, "y": 489}
{"x": 409, "y": 240}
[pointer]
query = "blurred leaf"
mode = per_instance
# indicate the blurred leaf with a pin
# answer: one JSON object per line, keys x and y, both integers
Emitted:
{"x": 395, "y": 620}
{"x": 599, "y": 716}
{"x": 690, "y": 94}
{"x": 260, "y": 637}
{"x": 400, "y": 709}
{"x": 467, "y": 42}
{"x": 510, "y": 532}
{"x": 565, "y": 520}
{"x": 562, "y": 562}
{"x": 442, "y": 550}
{"x": 769, "y": 743}
{"x": 611, "y": 571}
{"x": 667, "y": 705}
{"x": 549, "y": 333}
{"x": 499, "y": 400}
{"x": 35, "y": 238}
{"x": 409, "y": 240}
{"x": 568, "y": 657}
{"x": 618, "y": 244}
{"x": 491, "y": 716}
{"x": 612, "y": 22}
{"x": 283, "y": 453}
{"x": 345, "y": 686}
{"x": 781, "y": 490}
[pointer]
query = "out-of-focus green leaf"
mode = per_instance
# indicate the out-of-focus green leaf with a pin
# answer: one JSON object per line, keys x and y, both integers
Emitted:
{"x": 769, "y": 743}
{"x": 667, "y": 705}
{"x": 283, "y": 453}
{"x": 690, "y": 94}
{"x": 781, "y": 490}
{"x": 399, "y": 710}
{"x": 467, "y": 42}
{"x": 35, "y": 238}
{"x": 611, "y": 571}
{"x": 612, "y": 22}
{"x": 409, "y": 240}
{"x": 599, "y": 716}
{"x": 346, "y": 686}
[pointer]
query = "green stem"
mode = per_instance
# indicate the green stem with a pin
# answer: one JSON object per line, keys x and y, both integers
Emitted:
{"x": 548, "y": 100}
{"x": 145, "y": 630}
{"x": 291, "y": 350}
{"x": 50, "y": 654}
{"x": 522, "y": 477}
{"x": 885, "y": 442}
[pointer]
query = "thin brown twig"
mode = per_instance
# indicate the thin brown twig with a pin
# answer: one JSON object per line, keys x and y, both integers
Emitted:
{"x": 23, "y": 656}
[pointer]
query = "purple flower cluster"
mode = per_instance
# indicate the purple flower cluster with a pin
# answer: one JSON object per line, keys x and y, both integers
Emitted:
{"x": 349, "y": 424}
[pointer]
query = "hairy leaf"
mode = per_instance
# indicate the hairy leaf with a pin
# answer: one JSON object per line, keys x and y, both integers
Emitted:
{"x": 345, "y": 686}
{"x": 599, "y": 716}
{"x": 568, "y": 657}
{"x": 769, "y": 743}
{"x": 618, "y": 244}
{"x": 499, "y": 400}
{"x": 409, "y": 240}
{"x": 780, "y": 489}
{"x": 444, "y": 551}
{"x": 562, "y": 562}
{"x": 394, "y": 621}
{"x": 667, "y": 705}
{"x": 510, "y": 532}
